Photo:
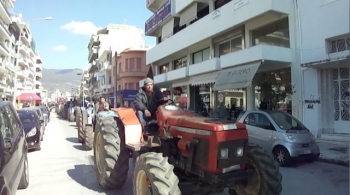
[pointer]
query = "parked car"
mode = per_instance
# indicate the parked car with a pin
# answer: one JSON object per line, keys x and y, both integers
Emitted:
{"x": 45, "y": 114}
{"x": 14, "y": 170}
{"x": 282, "y": 134}
{"x": 33, "y": 127}
{"x": 41, "y": 116}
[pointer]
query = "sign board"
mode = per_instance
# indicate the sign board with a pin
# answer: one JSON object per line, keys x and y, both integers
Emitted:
{"x": 239, "y": 3}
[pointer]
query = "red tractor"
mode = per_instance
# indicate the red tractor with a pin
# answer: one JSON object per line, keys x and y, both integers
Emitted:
{"x": 181, "y": 153}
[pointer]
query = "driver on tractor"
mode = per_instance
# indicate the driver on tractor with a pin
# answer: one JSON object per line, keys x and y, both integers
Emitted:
{"x": 147, "y": 101}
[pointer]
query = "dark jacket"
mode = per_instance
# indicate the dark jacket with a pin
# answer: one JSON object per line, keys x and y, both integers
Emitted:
{"x": 142, "y": 103}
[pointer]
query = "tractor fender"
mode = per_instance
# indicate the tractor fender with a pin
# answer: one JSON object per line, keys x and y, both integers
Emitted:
{"x": 132, "y": 125}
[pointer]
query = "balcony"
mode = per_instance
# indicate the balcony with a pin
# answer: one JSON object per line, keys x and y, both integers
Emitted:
{"x": 271, "y": 55}
{"x": 177, "y": 74}
{"x": 93, "y": 54}
{"x": 2, "y": 67}
{"x": 38, "y": 83}
{"x": 154, "y": 5}
{"x": 163, "y": 15}
{"x": 23, "y": 50}
{"x": 25, "y": 38}
{"x": 3, "y": 50}
{"x": 160, "y": 78}
{"x": 94, "y": 41}
{"x": 223, "y": 19}
{"x": 39, "y": 74}
{"x": 3, "y": 84}
{"x": 22, "y": 62}
{"x": 38, "y": 67}
{"x": 203, "y": 67}
{"x": 31, "y": 62}
{"x": 4, "y": 32}
{"x": 20, "y": 85}
{"x": 132, "y": 73}
{"x": 4, "y": 13}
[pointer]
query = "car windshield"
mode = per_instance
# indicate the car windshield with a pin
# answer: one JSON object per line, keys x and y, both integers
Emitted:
{"x": 26, "y": 117}
{"x": 286, "y": 121}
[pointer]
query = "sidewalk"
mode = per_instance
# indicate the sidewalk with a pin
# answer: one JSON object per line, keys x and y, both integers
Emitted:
{"x": 334, "y": 149}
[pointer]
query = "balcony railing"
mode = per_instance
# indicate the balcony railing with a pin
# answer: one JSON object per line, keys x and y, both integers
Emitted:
{"x": 4, "y": 6}
{"x": 4, "y": 47}
{"x": 2, "y": 23}
{"x": 162, "y": 14}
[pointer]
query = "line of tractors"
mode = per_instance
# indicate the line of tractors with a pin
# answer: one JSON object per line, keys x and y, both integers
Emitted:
{"x": 179, "y": 153}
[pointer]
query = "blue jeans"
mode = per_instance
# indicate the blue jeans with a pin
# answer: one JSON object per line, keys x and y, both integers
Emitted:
{"x": 142, "y": 118}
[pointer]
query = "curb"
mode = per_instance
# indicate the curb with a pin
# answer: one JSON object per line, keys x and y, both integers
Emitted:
{"x": 334, "y": 161}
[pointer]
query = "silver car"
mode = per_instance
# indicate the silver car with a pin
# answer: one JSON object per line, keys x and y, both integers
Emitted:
{"x": 282, "y": 134}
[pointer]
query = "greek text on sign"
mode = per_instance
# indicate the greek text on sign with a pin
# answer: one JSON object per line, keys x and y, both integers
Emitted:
{"x": 239, "y": 3}
{"x": 238, "y": 72}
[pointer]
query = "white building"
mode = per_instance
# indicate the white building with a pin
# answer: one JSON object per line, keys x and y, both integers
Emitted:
{"x": 214, "y": 48}
{"x": 115, "y": 38}
{"x": 7, "y": 49}
{"x": 38, "y": 73}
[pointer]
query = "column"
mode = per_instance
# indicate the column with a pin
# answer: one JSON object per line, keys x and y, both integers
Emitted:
{"x": 250, "y": 95}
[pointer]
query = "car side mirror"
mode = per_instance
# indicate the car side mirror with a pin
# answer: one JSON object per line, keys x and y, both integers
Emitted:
{"x": 8, "y": 144}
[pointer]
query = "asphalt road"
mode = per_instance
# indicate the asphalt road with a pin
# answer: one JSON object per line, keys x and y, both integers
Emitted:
{"x": 62, "y": 167}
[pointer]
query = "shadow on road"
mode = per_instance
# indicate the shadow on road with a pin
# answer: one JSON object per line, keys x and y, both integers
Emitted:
{"x": 72, "y": 125}
{"x": 85, "y": 176}
{"x": 79, "y": 147}
{"x": 72, "y": 139}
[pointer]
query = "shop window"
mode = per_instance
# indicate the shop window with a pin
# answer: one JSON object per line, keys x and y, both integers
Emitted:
{"x": 163, "y": 69}
{"x": 231, "y": 45}
{"x": 201, "y": 56}
{"x": 276, "y": 34}
{"x": 220, "y": 3}
{"x": 180, "y": 63}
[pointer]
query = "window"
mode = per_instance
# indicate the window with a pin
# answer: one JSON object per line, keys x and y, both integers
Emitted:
{"x": 125, "y": 85}
{"x": 131, "y": 64}
{"x": 120, "y": 67}
{"x": 286, "y": 121}
{"x": 180, "y": 63}
{"x": 258, "y": 120}
{"x": 163, "y": 69}
{"x": 220, "y": 3}
{"x": 138, "y": 64}
{"x": 6, "y": 132}
{"x": 231, "y": 45}
{"x": 201, "y": 56}
{"x": 130, "y": 85}
{"x": 13, "y": 120}
{"x": 119, "y": 87}
{"x": 137, "y": 85}
{"x": 126, "y": 65}
{"x": 339, "y": 45}
{"x": 276, "y": 34}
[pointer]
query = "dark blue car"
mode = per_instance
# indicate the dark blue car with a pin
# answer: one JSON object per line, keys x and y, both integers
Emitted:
{"x": 32, "y": 126}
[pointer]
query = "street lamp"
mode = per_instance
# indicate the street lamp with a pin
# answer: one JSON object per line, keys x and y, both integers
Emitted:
{"x": 17, "y": 55}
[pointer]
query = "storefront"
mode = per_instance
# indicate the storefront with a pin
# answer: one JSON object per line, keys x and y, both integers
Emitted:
{"x": 126, "y": 97}
{"x": 326, "y": 101}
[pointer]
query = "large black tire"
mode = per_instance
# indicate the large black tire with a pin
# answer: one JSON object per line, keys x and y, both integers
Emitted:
{"x": 111, "y": 157}
{"x": 266, "y": 171}
{"x": 80, "y": 128}
{"x": 158, "y": 172}
{"x": 88, "y": 138}
{"x": 24, "y": 183}
{"x": 71, "y": 117}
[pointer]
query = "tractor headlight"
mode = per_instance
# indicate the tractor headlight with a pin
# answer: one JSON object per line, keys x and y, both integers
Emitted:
{"x": 224, "y": 153}
{"x": 239, "y": 151}
{"x": 31, "y": 133}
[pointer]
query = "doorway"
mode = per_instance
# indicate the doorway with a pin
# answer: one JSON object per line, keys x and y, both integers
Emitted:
{"x": 341, "y": 86}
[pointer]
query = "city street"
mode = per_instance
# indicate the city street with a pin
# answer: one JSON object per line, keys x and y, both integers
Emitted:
{"x": 62, "y": 167}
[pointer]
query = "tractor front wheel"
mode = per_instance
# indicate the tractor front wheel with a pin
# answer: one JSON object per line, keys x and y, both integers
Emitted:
{"x": 154, "y": 175}
{"x": 267, "y": 178}
{"x": 111, "y": 157}
{"x": 88, "y": 138}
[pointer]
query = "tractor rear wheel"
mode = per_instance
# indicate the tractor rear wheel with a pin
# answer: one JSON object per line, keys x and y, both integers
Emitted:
{"x": 154, "y": 175}
{"x": 267, "y": 178}
{"x": 111, "y": 157}
{"x": 80, "y": 128}
{"x": 88, "y": 138}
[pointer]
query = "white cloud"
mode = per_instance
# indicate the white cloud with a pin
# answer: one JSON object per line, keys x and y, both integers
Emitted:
{"x": 60, "y": 48}
{"x": 81, "y": 28}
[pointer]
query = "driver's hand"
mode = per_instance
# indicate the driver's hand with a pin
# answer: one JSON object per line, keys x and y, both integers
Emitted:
{"x": 165, "y": 99}
{"x": 147, "y": 113}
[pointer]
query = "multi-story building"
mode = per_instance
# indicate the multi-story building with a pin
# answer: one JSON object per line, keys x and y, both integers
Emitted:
{"x": 7, "y": 49}
{"x": 209, "y": 51}
{"x": 115, "y": 38}
{"x": 130, "y": 69}
{"x": 26, "y": 57}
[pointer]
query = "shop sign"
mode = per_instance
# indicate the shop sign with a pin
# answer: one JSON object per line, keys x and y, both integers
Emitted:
{"x": 161, "y": 15}
{"x": 238, "y": 72}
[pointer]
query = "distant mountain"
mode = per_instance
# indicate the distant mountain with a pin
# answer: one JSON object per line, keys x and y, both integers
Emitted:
{"x": 60, "y": 78}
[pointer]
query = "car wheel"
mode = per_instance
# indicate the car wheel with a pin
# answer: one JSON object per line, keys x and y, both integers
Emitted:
{"x": 24, "y": 183}
{"x": 282, "y": 156}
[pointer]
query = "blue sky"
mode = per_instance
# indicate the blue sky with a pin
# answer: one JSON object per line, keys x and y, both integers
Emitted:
{"x": 62, "y": 42}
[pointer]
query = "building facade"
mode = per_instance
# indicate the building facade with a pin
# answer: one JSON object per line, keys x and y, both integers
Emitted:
{"x": 131, "y": 68}
{"x": 38, "y": 73}
{"x": 240, "y": 53}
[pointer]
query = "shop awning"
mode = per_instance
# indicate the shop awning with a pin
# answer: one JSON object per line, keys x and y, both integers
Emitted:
{"x": 236, "y": 77}
{"x": 330, "y": 62}
{"x": 28, "y": 97}
{"x": 168, "y": 29}
{"x": 188, "y": 15}
{"x": 203, "y": 79}
{"x": 180, "y": 84}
